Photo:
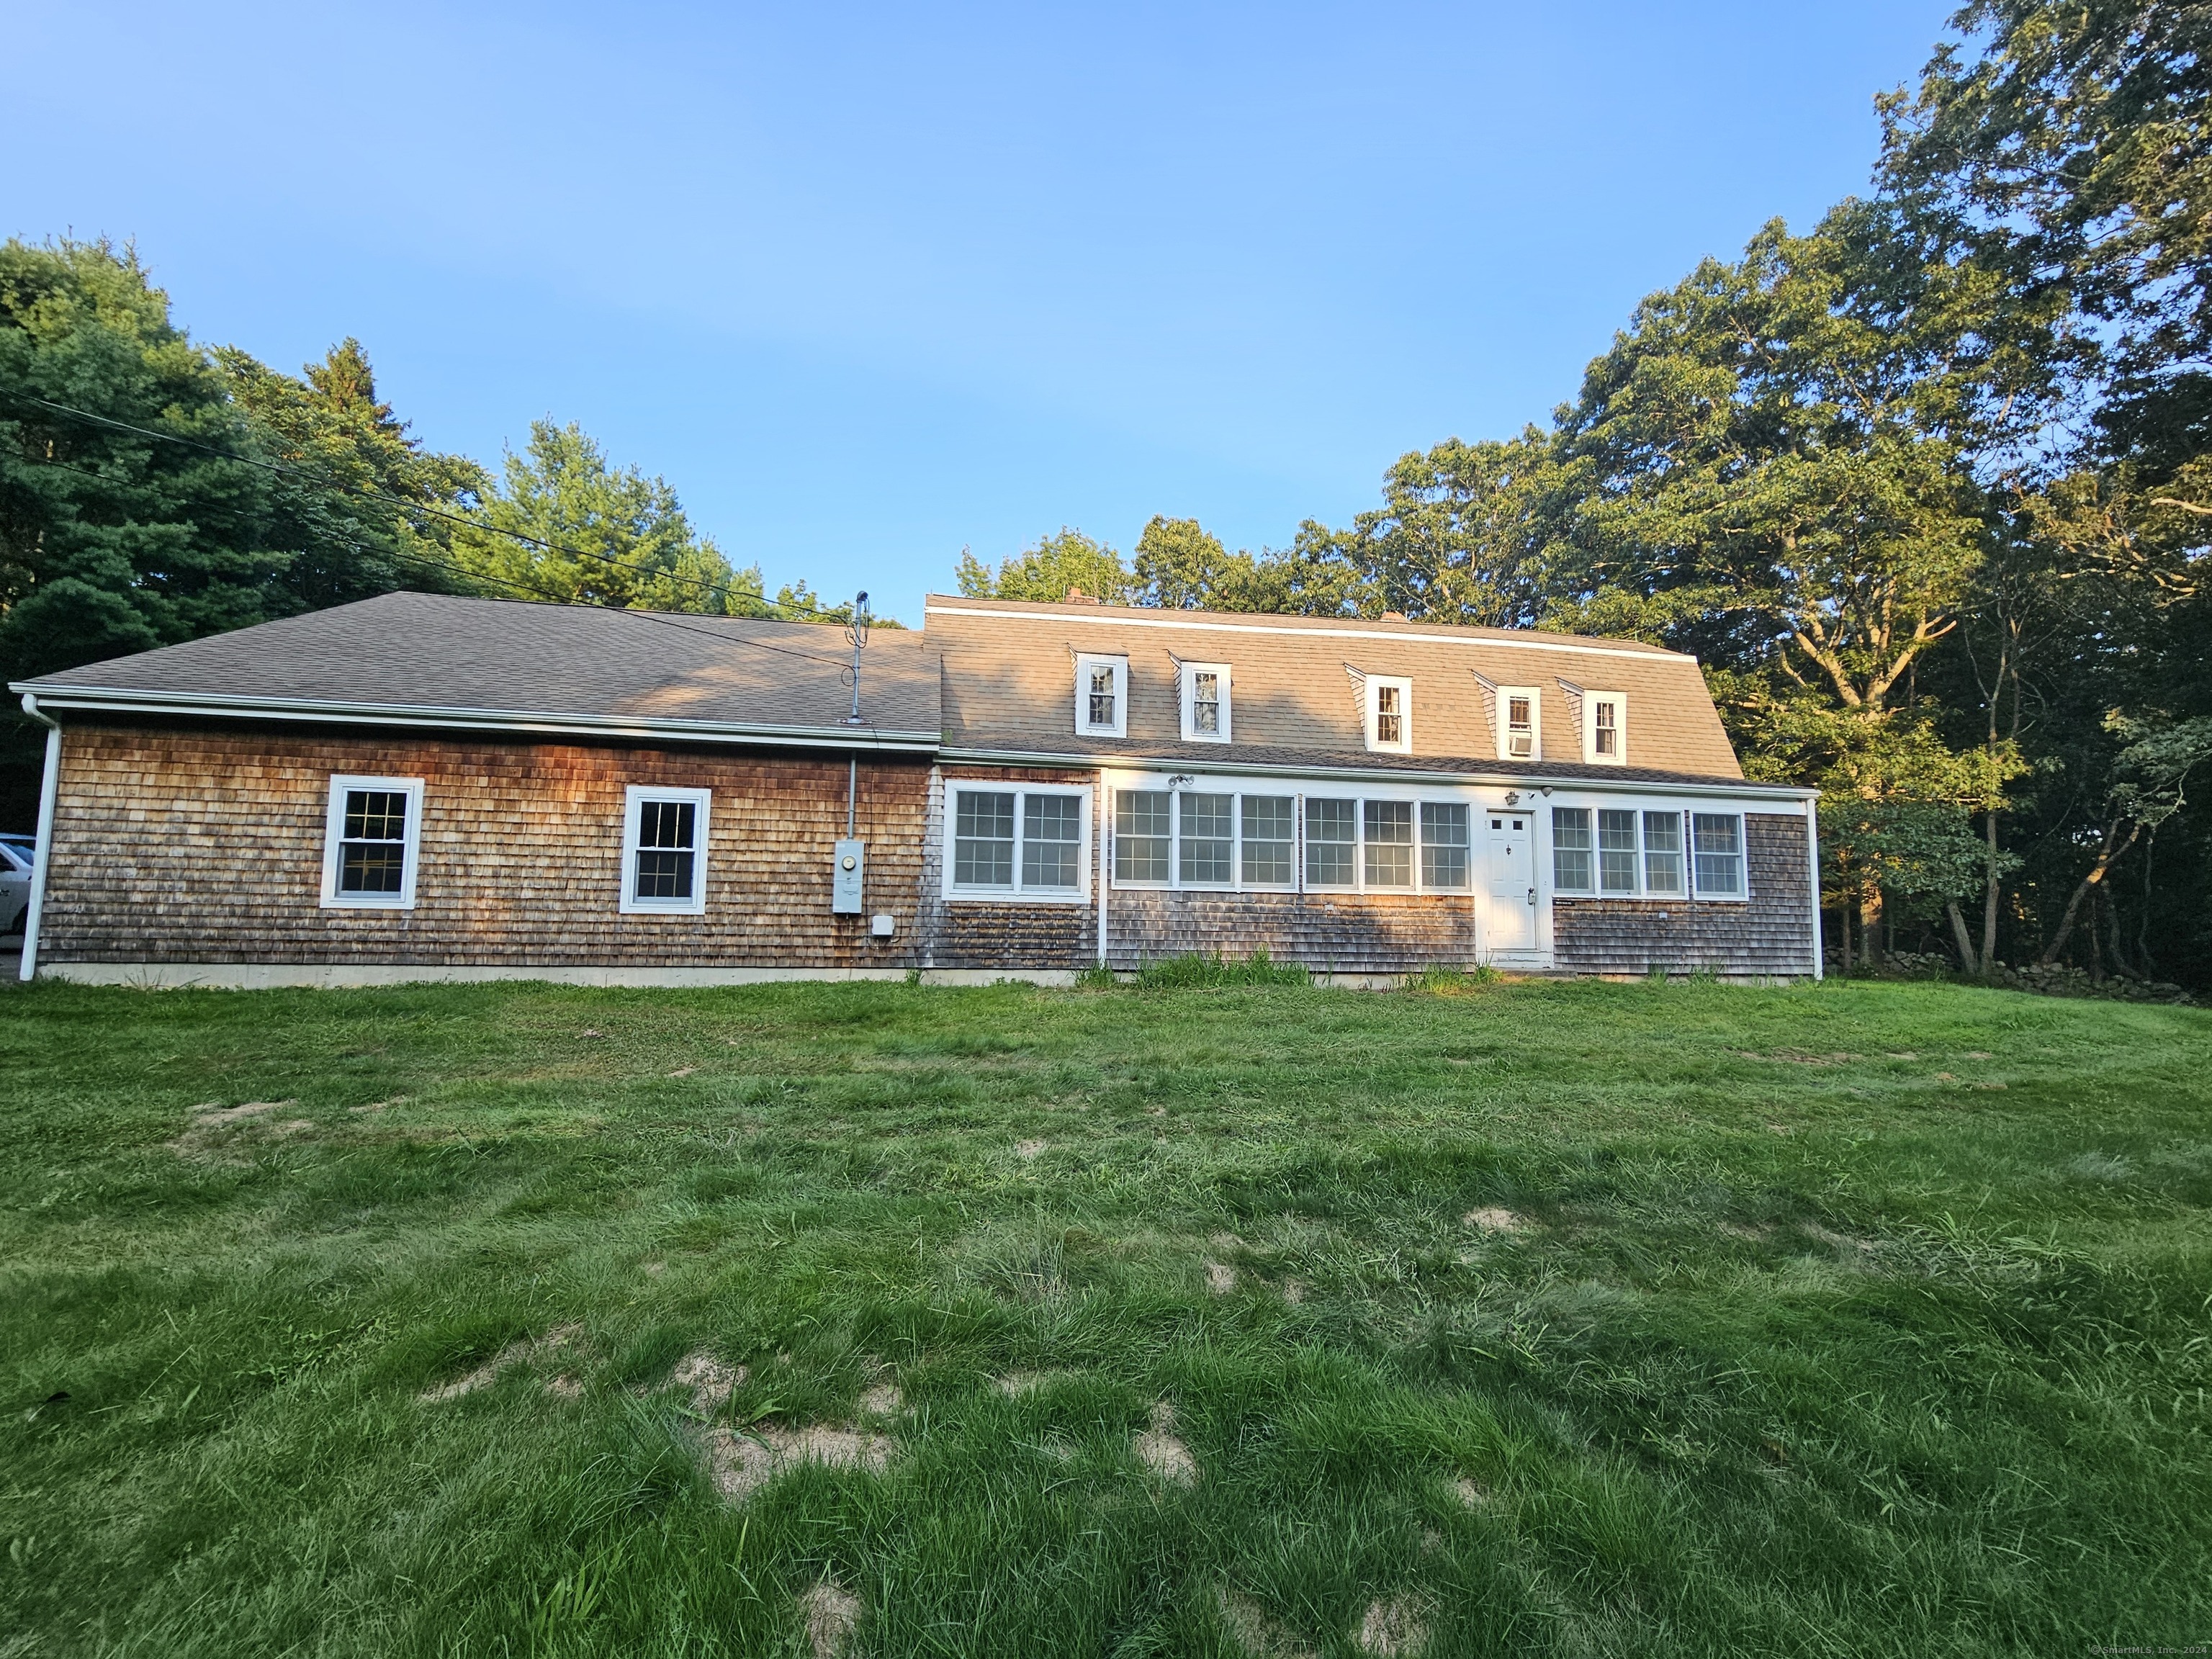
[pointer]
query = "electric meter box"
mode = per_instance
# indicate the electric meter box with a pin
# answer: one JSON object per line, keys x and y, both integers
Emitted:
{"x": 845, "y": 881}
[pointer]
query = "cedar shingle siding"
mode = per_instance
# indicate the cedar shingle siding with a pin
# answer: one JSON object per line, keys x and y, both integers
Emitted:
{"x": 207, "y": 847}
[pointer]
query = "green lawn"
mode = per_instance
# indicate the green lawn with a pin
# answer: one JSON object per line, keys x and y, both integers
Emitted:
{"x": 1540, "y": 1318}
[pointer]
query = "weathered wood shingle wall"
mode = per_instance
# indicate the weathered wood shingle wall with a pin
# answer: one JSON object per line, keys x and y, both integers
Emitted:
{"x": 1328, "y": 932}
{"x": 180, "y": 845}
{"x": 1772, "y": 933}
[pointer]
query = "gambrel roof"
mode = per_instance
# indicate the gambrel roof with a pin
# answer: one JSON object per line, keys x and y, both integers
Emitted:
{"x": 1296, "y": 687}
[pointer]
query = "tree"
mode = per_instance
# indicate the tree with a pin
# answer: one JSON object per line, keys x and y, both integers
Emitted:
{"x": 361, "y": 507}
{"x": 1057, "y": 566}
{"x": 1461, "y": 537}
{"x": 110, "y": 542}
{"x": 566, "y": 525}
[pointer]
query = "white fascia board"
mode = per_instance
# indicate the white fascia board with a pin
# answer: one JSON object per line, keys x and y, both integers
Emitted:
{"x": 1721, "y": 788}
{"x": 104, "y": 700}
{"x": 1122, "y": 619}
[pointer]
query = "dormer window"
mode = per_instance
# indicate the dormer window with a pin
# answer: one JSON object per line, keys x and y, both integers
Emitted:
{"x": 1206, "y": 702}
{"x": 1605, "y": 728}
{"x": 1389, "y": 715}
{"x": 1520, "y": 730}
{"x": 1102, "y": 696}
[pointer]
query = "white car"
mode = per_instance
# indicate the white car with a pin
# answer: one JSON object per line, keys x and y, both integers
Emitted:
{"x": 15, "y": 855}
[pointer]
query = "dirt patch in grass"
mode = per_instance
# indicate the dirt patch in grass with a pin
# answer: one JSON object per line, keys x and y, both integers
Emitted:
{"x": 1393, "y": 1628}
{"x": 742, "y": 1464}
{"x": 559, "y": 1339}
{"x": 1256, "y": 1631}
{"x": 1493, "y": 1218}
{"x": 1026, "y": 1150}
{"x": 209, "y": 1125}
{"x": 710, "y": 1382}
{"x": 1159, "y": 1451}
{"x": 830, "y": 1614}
{"x": 1220, "y": 1278}
{"x": 883, "y": 1400}
{"x": 1014, "y": 1385}
{"x": 1471, "y": 1493}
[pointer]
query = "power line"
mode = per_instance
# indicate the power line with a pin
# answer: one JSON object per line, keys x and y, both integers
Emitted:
{"x": 284, "y": 471}
{"x": 657, "y": 619}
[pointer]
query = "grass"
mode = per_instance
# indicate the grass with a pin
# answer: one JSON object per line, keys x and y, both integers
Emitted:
{"x": 1491, "y": 1317}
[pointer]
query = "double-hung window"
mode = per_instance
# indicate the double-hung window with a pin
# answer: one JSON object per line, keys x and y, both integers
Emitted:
{"x": 1270, "y": 836}
{"x": 1716, "y": 842}
{"x": 665, "y": 851}
{"x": 1443, "y": 845}
{"x": 371, "y": 836}
{"x": 1662, "y": 853}
{"x": 1205, "y": 702}
{"x": 1570, "y": 849}
{"x": 1143, "y": 832}
{"x": 1616, "y": 851}
{"x": 1012, "y": 842}
{"x": 1389, "y": 715}
{"x": 1520, "y": 724}
{"x": 1389, "y": 844}
{"x": 1605, "y": 728}
{"x": 1332, "y": 843}
{"x": 1209, "y": 835}
{"x": 1102, "y": 696}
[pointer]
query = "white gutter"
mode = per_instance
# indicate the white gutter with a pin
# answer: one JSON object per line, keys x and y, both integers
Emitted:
{"x": 123, "y": 701}
{"x": 1719, "y": 790}
{"x": 42, "y": 855}
{"x": 1122, "y": 619}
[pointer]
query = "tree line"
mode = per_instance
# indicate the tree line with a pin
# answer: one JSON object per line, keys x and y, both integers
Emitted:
{"x": 1927, "y": 489}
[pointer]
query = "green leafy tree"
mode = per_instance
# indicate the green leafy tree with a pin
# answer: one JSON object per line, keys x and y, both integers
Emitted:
{"x": 567, "y": 525}
{"x": 1069, "y": 563}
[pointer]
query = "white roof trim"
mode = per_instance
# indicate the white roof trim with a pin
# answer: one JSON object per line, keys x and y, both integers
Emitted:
{"x": 1123, "y": 619}
{"x": 129, "y": 701}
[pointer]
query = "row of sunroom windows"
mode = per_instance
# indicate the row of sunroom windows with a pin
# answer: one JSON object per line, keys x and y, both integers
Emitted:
{"x": 1033, "y": 840}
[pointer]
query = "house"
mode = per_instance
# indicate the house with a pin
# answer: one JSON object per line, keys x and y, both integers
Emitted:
{"x": 422, "y": 786}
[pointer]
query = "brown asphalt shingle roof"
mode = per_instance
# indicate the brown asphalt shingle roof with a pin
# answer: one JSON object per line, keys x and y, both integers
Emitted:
{"x": 440, "y": 651}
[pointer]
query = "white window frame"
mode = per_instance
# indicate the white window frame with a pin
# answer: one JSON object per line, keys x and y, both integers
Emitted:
{"x": 1187, "y": 676}
{"x": 1685, "y": 811}
{"x": 1300, "y": 792}
{"x": 334, "y": 833}
{"x": 1375, "y": 683}
{"x": 1015, "y": 894}
{"x": 1591, "y": 700}
{"x": 1505, "y": 696}
{"x": 634, "y": 800}
{"x": 1119, "y": 726}
{"x": 1742, "y": 854}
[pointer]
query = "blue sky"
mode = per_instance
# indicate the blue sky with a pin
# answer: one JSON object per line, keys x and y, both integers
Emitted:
{"x": 867, "y": 285}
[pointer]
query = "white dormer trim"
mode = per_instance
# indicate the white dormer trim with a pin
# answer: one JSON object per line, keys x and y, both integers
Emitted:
{"x": 1377, "y": 693}
{"x": 1187, "y": 685}
{"x": 1603, "y": 717}
{"x": 1118, "y": 667}
{"x": 1507, "y": 696}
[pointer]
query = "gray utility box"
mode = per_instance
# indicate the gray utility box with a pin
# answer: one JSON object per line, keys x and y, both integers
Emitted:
{"x": 846, "y": 878}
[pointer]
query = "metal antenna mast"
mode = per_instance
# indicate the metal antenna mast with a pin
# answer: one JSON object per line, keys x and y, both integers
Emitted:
{"x": 857, "y": 631}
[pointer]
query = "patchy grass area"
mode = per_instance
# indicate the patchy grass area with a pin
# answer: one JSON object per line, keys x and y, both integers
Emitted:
{"x": 1493, "y": 1318}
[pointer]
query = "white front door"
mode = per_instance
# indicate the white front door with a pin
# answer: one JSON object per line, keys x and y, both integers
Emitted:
{"x": 1509, "y": 842}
